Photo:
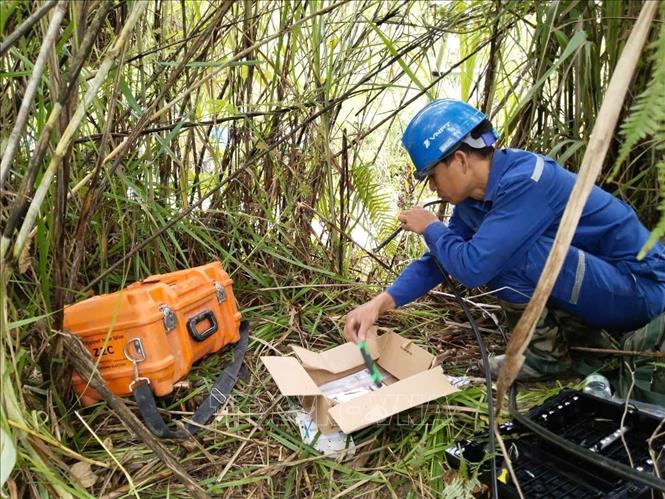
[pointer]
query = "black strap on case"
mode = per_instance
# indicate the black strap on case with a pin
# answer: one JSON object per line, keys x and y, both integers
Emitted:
{"x": 219, "y": 393}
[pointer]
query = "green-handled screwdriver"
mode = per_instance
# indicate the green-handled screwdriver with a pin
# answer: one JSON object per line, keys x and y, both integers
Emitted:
{"x": 369, "y": 362}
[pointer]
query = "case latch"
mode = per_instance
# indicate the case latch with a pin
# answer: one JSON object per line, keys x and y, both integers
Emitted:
{"x": 170, "y": 319}
{"x": 220, "y": 292}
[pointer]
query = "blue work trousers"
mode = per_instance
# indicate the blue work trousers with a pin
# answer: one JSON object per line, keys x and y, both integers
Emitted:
{"x": 601, "y": 294}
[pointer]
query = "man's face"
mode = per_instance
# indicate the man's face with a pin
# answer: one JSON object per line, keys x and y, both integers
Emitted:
{"x": 451, "y": 180}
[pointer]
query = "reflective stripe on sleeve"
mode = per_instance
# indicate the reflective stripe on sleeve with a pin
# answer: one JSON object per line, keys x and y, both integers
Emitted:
{"x": 538, "y": 169}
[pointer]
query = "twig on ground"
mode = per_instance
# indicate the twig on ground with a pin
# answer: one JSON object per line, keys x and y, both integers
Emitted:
{"x": 508, "y": 462}
{"x": 242, "y": 446}
{"x": 652, "y": 451}
{"x": 625, "y": 413}
{"x": 625, "y": 353}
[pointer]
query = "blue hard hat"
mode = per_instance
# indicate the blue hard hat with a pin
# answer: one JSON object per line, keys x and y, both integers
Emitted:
{"x": 438, "y": 129}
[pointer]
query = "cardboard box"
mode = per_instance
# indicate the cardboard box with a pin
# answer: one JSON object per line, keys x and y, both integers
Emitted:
{"x": 414, "y": 380}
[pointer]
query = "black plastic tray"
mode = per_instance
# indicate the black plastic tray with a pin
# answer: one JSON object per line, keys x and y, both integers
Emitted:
{"x": 546, "y": 471}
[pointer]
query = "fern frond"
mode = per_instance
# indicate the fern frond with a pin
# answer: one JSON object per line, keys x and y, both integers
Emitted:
{"x": 659, "y": 231}
{"x": 373, "y": 198}
{"x": 647, "y": 116}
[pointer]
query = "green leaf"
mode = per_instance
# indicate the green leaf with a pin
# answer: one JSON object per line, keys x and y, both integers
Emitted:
{"x": 129, "y": 97}
{"x": 575, "y": 42}
{"x": 647, "y": 115}
{"x": 7, "y": 456}
{"x": 29, "y": 320}
{"x": 393, "y": 51}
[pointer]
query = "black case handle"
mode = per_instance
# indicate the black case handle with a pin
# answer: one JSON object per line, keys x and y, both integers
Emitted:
{"x": 194, "y": 321}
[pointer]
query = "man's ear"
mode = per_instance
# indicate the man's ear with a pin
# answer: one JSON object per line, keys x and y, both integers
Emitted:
{"x": 463, "y": 159}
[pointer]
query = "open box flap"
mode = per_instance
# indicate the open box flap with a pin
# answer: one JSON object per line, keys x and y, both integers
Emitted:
{"x": 290, "y": 376}
{"x": 337, "y": 359}
{"x": 401, "y": 357}
{"x": 407, "y": 393}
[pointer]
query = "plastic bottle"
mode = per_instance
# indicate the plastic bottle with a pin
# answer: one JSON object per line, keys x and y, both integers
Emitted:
{"x": 598, "y": 386}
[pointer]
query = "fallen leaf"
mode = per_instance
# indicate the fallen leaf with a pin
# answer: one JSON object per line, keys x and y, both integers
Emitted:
{"x": 83, "y": 474}
{"x": 108, "y": 443}
{"x": 24, "y": 259}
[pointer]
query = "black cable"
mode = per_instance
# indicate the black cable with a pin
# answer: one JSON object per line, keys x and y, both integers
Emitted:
{"x": 626, "y": 472}
{"x": 399, "y": 229}
{"x": 483, "y": 352}
{"x": 618, "y": 468}
{"x": 486, "y": 367}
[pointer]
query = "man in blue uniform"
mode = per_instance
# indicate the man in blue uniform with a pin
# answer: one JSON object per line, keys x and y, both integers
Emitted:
{"x": 508, "y": 206}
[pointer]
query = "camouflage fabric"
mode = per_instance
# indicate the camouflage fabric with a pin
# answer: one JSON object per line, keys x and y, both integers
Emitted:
{"x": 549, "y": 351}
{"x": 578, "y": 334}
{"x": 648, "y": 373}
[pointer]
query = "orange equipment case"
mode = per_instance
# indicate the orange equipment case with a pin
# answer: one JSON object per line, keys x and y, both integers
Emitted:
{"x": 155, "y": 329}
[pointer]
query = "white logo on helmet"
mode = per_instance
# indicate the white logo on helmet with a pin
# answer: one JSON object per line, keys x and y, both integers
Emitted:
{"x": 428, "y": 141}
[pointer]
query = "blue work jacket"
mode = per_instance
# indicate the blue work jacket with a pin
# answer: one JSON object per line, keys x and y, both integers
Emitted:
{"x": 524, "y": 200}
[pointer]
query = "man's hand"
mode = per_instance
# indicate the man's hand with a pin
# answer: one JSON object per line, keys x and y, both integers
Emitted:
{"x": 361, "y": 318}
{"x": 417, "y": 219}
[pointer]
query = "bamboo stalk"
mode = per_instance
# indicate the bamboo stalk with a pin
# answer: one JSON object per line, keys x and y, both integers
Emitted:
{"x": 252, "y": 160}
{"x": 591, "y": 167}
{"x": 97, "y": 188}
{"x": 65, "y": 140}
{"x": 22, "y": 200}
{"x": 26, "y": 26}
{"x": 92, "y": 179}
{"x": 238, "y": 56}
{"x": 11, "y": 404}
{"x": 30, "y": 91}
